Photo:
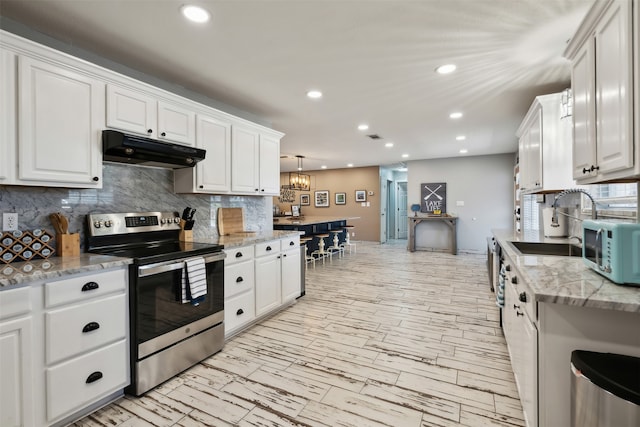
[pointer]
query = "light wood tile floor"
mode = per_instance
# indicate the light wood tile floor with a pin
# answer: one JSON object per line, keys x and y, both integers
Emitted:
{"x": 383, "y": 337}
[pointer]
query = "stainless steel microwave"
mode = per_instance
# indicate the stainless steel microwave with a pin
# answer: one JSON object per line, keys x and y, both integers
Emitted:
{"x": 612, "y": 249}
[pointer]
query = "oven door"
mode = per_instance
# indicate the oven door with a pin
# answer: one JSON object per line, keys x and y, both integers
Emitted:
{"x": 159, "y": 317}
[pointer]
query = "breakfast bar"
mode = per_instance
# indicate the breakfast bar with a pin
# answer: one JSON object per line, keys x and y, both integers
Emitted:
{"x": 311, "y": 226}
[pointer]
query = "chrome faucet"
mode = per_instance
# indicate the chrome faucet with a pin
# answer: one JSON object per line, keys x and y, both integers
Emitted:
{"x": 554, "y": 217}
{"x": 576, "y": 237}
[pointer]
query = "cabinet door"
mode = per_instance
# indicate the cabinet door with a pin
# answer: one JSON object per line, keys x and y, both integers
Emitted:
{"x": 269, "y": 166}
{"x": 176, "y": 123}
{"x": 131, "y": 111}
{"x": 60, "y": 119}
{"x": 268, "y": 294}
{"x": 245, "y": 157}
{"x": 7, "y": 116}
{"x": 16, "y": 397}
{"x": 584, "y": 131}
{"x": 534, "y": 152}
{"x": 214, "y": 172}
{"x": 291, "y": 274}
{"x": 613, "y": 59}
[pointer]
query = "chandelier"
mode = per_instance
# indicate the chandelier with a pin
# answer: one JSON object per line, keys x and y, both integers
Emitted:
{"x": 298, "y": 180}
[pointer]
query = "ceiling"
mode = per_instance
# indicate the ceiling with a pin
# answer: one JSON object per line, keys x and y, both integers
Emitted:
{"x": 373, "y": 60}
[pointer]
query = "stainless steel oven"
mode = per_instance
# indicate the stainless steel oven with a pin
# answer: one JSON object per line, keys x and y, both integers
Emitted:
{"x": 168, "y": 335}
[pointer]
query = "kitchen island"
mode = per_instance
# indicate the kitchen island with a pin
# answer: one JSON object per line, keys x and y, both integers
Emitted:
{"x": 554, "y": 305}
{"x": 310, "y": 226}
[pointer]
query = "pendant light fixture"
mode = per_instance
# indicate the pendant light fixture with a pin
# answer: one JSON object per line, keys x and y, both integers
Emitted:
{"x": 298, "y": 180}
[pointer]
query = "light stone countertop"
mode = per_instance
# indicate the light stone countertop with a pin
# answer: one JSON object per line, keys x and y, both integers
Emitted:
{"x": 567, "y": 280}
{"x": 309, "y": 219}
{"x": 18, "y": 274}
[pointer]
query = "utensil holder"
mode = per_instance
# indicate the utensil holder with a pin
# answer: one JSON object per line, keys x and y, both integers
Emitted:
{"x": 185, "y": 235}
{"x": 68, "y": 244}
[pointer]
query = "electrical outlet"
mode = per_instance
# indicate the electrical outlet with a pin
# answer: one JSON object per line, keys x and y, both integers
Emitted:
{"x": 9, "y": 221}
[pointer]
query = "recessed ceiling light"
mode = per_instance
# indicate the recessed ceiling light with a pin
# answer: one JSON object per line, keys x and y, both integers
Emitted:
{"x": 460, "y": 138}
{"x": 389, "y": 144}
{"x": 455, "y": 115}
{"x": 350, "y": 165}
{"x": 446, "y": 69}
{"x": 363, "y": 127}
{"x": 402, "y": 169}
{"x": 314, "y": 94}
{"x": 323, "y": 167}
{"x": 463, "y": 151}
{"x": 405, "y": 156}
{"x": 195, "y": 13}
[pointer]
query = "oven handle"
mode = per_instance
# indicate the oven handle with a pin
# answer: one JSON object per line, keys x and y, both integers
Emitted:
{"x": 163, "y": 267}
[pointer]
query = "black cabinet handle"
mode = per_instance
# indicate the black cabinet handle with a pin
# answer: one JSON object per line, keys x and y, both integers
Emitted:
{"x": 149, "y": 130}
{"x": 91, "y": 326}
{"x": 507, "y": 267}
{"x": 202, "y": 186}
{"x": 96, "y": 179}
{"x": 238, "y": 254}
{"x": 163, "y": 134}
{"x": 90, "y": 286}
{"x": 239, "y": 312}
{"x": 523, "y": 297}
{"x": 515, "y": 307}
{"x": 94, "y": 377}
{"x": 514, "y": 280}
{"x": 519, "y": 314}
{"x": 257, "y": 189}
{"x": 585, "y": 170}
{"x": 292, "y": 243}
{"x": 595, "y": 168}
{"x": 239, "y": 279}
{"x": 284, "y": 255}
{"x": 268, "y": 248}
{"x": 262, "y": 189}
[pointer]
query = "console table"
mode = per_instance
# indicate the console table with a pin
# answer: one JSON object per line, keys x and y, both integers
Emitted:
{"x": 450, "y": 221}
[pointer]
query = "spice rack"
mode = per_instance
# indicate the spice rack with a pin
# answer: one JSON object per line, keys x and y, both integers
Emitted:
{"x": 16, "y": 246}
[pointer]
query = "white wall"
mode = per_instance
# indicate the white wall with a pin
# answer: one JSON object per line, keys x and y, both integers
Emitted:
{"x": 483, "y": 183}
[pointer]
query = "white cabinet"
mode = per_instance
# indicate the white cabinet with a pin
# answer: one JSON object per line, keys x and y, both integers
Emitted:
{"x": 8, "y": 104}
{"x": 60, "y": 117}
{"x": 239, "y": 289}
{"x": 16, "y": 350}
{"x": 268, "y": 277}
{"x": 138, "y": 112}
{"x": 213, "y": 174}
{"x": 545, "y": 147}
{"x": 86, "y": 351}
{"x": 290, "y": 268}
{"x": 255, "y": 162}
{"x": 602, "y": 58}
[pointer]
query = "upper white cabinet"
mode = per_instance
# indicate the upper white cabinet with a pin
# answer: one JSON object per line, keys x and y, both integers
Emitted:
{"x": 545, "y": 147}
{"x": 213, "y": 174}
{"x": 602, "y": 56}
{"x": 8, "y": 104}
{"x": 137, "y": 112}
{"x": 269, "y": 165}
{"x": 60, "y": 117}
{"x": 245, "y": 160}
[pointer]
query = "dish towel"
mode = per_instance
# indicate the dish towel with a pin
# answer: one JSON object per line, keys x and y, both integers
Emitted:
{"x": 194, "y": 281}
{"x": 500, "y": 290}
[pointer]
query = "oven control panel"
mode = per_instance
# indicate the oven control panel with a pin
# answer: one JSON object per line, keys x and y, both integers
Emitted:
{"x": 107, "y": 224}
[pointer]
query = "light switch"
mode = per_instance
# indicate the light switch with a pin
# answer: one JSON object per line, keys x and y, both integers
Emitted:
{"x": 460, "y": 203}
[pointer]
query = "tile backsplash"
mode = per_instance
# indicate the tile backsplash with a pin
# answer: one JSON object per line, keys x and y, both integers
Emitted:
{"x": 128, "y": 189}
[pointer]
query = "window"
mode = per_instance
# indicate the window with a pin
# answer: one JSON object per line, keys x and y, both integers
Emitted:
{"x": 613, "y": 200}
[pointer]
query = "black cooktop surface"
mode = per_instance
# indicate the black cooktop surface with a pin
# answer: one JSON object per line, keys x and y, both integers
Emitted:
{"x": 150, "y": 253}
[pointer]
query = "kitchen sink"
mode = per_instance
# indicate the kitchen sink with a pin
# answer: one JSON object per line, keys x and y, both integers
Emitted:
{"x": 557, "y": 249}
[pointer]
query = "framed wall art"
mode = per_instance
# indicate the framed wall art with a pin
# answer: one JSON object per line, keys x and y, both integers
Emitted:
{"x": 361, "y": 195}
{"x": 434, "y": 198}
{"x": 322, "y": 199}
{"x": 304, "y": 200}
{"x": 341, "y": 198}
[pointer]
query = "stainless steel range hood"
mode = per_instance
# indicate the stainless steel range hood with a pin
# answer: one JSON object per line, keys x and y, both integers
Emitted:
{"x": 124, "y": 148}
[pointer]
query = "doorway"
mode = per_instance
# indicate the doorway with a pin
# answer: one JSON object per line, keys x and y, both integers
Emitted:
{"x": 401, "y": 210}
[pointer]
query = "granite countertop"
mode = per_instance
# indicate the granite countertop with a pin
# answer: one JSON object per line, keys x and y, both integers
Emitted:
{"x": 309, "y": 220}
{"x": 18, "y": 274}
{"x": 566, "y": 280}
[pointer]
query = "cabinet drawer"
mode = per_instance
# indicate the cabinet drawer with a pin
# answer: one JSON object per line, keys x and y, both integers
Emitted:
{"x": 15, "y": 302}
{"x": 267, "y": 248}
{"x": 79, "y": 328}
{"x": 236, "y": 255}
{"x": 239, "y": 310}
{"x": 238, "y": 278}
{"x": 75, "y": 384}
{"x": 84, "y": 287}
{"x": 289, "y": 243}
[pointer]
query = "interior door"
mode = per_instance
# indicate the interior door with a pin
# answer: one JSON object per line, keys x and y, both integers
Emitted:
{"x": 383, "y": 210}
{"x": 401, "y": 203}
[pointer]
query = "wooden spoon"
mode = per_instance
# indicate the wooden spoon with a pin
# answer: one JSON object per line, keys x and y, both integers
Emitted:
{"x": 64, "y": 223}
{"x": 55, "y": 221}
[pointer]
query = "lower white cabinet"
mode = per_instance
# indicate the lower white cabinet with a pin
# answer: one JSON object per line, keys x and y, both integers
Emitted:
{"x": 239, "y": 285}
{"x": 64, "y": 348}
{"x": 290, "y": 269}
{"x": 268, "y": 277}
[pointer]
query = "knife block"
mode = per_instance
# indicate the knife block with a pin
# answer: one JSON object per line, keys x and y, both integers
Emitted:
{"x": 68, "y": 244}
{"x": 185, "y": 235}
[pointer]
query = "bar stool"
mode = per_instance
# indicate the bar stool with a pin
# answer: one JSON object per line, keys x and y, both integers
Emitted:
{"x": 336, "y": 243}
{"x": 307, "y": 258}
{"x": 321, "y": 252}
{"x": 347, "y": 240}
